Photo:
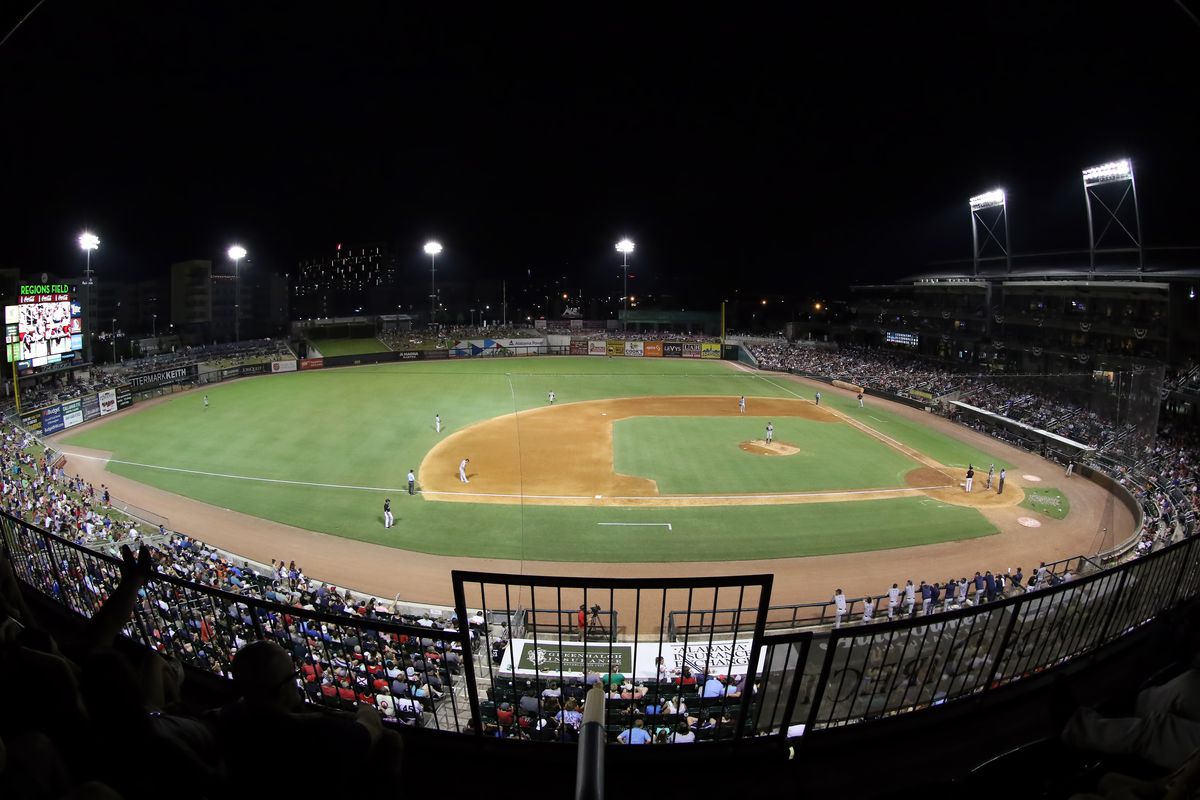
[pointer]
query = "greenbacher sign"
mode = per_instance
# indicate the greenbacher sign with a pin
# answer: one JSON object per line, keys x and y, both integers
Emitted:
{"x": 576, "y": 658}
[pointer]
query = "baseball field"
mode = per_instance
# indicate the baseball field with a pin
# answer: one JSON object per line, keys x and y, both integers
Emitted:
{"x": 638, "y": 460}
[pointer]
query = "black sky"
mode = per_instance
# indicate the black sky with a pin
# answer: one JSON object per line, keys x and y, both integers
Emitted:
{"x": 788, "y": 149}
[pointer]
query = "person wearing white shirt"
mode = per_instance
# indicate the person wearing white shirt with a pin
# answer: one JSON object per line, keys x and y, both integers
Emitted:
{"x": 893, "y": 600}
{"x": 839, "y": 608}
{"x": 868, "y": 610}
{"x": 910, "y": 597}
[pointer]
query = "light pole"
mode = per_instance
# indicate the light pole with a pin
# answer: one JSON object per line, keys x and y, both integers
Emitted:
{"x": 154, "y": 326}
{"x": 236, "y": 253}
{"x": 432, "y": 248}
{"x": 88, "y": 242}
{"x": 625, "y": 247}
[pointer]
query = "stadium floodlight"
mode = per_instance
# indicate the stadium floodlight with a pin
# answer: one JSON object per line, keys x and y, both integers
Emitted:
{"x": 89, "y": 241}
{"x": 624, "y": 247}
{"x": 1120, "y": 170}
{"x": 236, "y": 253}
{"x": 1107, "y": 187}
{"x": 983, "y": 216}
{"x": 432, "y": 249}
{"x": 987, "y": 200}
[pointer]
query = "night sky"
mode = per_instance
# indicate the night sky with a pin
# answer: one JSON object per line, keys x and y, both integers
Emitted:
{"x": 780, "y": 151}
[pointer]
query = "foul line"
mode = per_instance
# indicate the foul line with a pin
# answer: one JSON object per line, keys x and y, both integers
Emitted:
{"x": 648, "y": 498}
{"x": 666, "y": 525}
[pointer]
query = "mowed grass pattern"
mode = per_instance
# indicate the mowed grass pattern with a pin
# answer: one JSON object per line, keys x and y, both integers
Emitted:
{"x": 700, "y": 455}
{"x": 364, "y": 427}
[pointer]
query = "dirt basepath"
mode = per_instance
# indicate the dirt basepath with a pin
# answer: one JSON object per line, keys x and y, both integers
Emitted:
{"x": 419, "y": 577}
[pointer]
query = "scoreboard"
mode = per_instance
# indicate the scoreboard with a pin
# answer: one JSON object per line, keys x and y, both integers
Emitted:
{"x": 44, "y": 331}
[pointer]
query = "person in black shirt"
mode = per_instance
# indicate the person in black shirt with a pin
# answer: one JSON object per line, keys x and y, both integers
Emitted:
{"x": 388, "y": 520}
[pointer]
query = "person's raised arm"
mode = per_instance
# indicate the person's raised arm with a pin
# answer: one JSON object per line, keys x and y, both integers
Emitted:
{"x": 107, "y": 622}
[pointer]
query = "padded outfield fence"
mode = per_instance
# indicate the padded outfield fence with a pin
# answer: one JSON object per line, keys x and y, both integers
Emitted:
{"x": 791, "y": 679}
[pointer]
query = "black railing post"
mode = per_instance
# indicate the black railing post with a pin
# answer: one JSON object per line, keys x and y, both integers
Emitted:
{"x": 589, "y": 758}
{"x": 468, "y": 657}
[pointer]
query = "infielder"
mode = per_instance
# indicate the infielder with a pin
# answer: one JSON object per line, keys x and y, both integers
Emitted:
{"x": 462, "y": 470}
{"x": 742, "y": 404}
{"x": 387, "y": 513}
{"x": 970, "y": 477}
{"x": 770, "y": 432}
{"x": 437, "y": 422}
{"x": 550, "y": 397}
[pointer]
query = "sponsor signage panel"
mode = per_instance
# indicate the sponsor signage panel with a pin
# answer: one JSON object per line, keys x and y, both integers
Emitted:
{"x": 408, "y": 355}
{"x": 579, "y": 347}
{"x": 312, "y": 363}
{"x": 108, "y": 401}
{"x": 32, "y": 422}
{"x": 434, "y": 354}
{"x": 52, "y": 419}
{"x": 72, "y": 413}
{"x": 691, "y": 349}
{"x": 597, "y": 347}
{"x": 652, "y": 349}
{"x": 672, "y": 349}
{"x": 91, "y": 407}
{"x": 163, "y": 377}
{"x": 633, "y": 349}
{"x": 284, "y": 366}
{"x": 254, "y": 369}
{"x": 710, "y": 349}
{"x": 615, "y": 348}
{"x": 575, "y": 659}
{"x": 124, "y": 396}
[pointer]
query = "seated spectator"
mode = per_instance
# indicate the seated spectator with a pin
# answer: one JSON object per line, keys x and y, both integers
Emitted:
{"x": 634, "y": 735}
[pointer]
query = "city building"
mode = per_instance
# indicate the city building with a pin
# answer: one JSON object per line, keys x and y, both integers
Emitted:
{"x": 352, "y": 279}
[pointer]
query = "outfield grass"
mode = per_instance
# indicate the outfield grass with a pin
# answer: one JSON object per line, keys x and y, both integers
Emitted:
{"x": 364, "y": 427}
{"x": 349, "y": 347}
{"x": 694, "y": 455}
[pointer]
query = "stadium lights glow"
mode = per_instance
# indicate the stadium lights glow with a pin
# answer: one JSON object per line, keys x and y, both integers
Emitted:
{"x": 236, "y": 253}
{"x": 433, "y": 248}
{"x": 89, "y": 241}
{"x": 987, "y": 200}
{"x": 1106, "y": 173}
{"x": 625, "y": 246}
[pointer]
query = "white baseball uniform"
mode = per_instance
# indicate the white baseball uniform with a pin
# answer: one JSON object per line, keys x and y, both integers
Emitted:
{"x": 437, "y": 422}
{"x": 462, "y": 471}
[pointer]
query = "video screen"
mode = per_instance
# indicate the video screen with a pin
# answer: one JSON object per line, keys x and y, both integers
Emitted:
{"x": 905, "y": 339}
{"x": 45, "y": 330}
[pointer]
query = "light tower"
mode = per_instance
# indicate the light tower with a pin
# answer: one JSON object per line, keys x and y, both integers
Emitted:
{"x": 87, "y": 242}
{"x": 236, "y": 254}
{"x": 1109, "y": 186}
{"x": 432, "y": 248}
{"x": 989, "y": 211}
{"x": 625, "y": 247}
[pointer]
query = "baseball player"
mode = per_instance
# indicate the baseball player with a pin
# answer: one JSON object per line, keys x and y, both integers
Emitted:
{"x": 839, "y": 608}
{"x": 991, "y": 474}
{"x": 893, "y": 600}
{"x": 818, "y": 398}
{"x": 437, "y": 422}
{"x": 387, "y": 513}
{"x": 206, "y": 402}
{"x": 910, "y": 597}
{"x": 1070, "y": 469}
{"x": 970, "y": 477}
{"x": 412, "y": 482}
{"x": 868, "y": 610}
{"x": 860, "y": 402}
{"x": 742, "y": 404}
{"x": 770, "y": 432}
{"x": 550, "y": 397}
{"x": 462, "y": 470}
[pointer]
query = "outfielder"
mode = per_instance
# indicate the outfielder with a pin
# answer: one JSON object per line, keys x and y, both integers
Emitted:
{"x": 818, "y": 398}
{"x": 550, "y": 397}
{"x": 770, "y": 432}
{"x": 462, "y": 470}
{"x": 387, "y": 513}
{"x": 742, "y": 404}
{"x": 206, "y": 402}
{"x": 437, "y": 422}
{"x": 860, "y": 402}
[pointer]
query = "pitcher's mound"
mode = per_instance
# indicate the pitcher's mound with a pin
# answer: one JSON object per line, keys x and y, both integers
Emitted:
{"x": 761, "y": 448}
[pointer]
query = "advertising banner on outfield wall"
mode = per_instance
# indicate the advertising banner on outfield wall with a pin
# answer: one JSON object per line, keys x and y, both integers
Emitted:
{"x": 284, "y": 366}
{"x": 597, "y": 347}
{"x": 691, "y": 349}
{"x": 124, "y": 397}
{"x": 312, "y": 363}
{"x": 91, "y": 407}
{"x": 52, "y": 420}
{"x": 163, "y": 377}
{"x": 615, "y": 348}
{"x": 254, "y": 369}
{"x": 431, "y": 355}
{"x": 633, "y": 349}
{"x": 672, "y": 349}
{"x": 108, "y": 401}
{"x": 72, "y": 412}
{"x": 652, "y": 349}
{"x": 408, "y": 355}
{"x": 32, "y": 422}
{"x": 710, "y": 349}
{"x": 579, "y": 347}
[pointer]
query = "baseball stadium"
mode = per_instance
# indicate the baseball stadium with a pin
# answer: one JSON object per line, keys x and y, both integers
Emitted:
{"x": 449, "y": 405}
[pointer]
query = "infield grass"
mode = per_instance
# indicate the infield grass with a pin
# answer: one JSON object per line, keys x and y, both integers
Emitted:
{"x": 362, "y": 428}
